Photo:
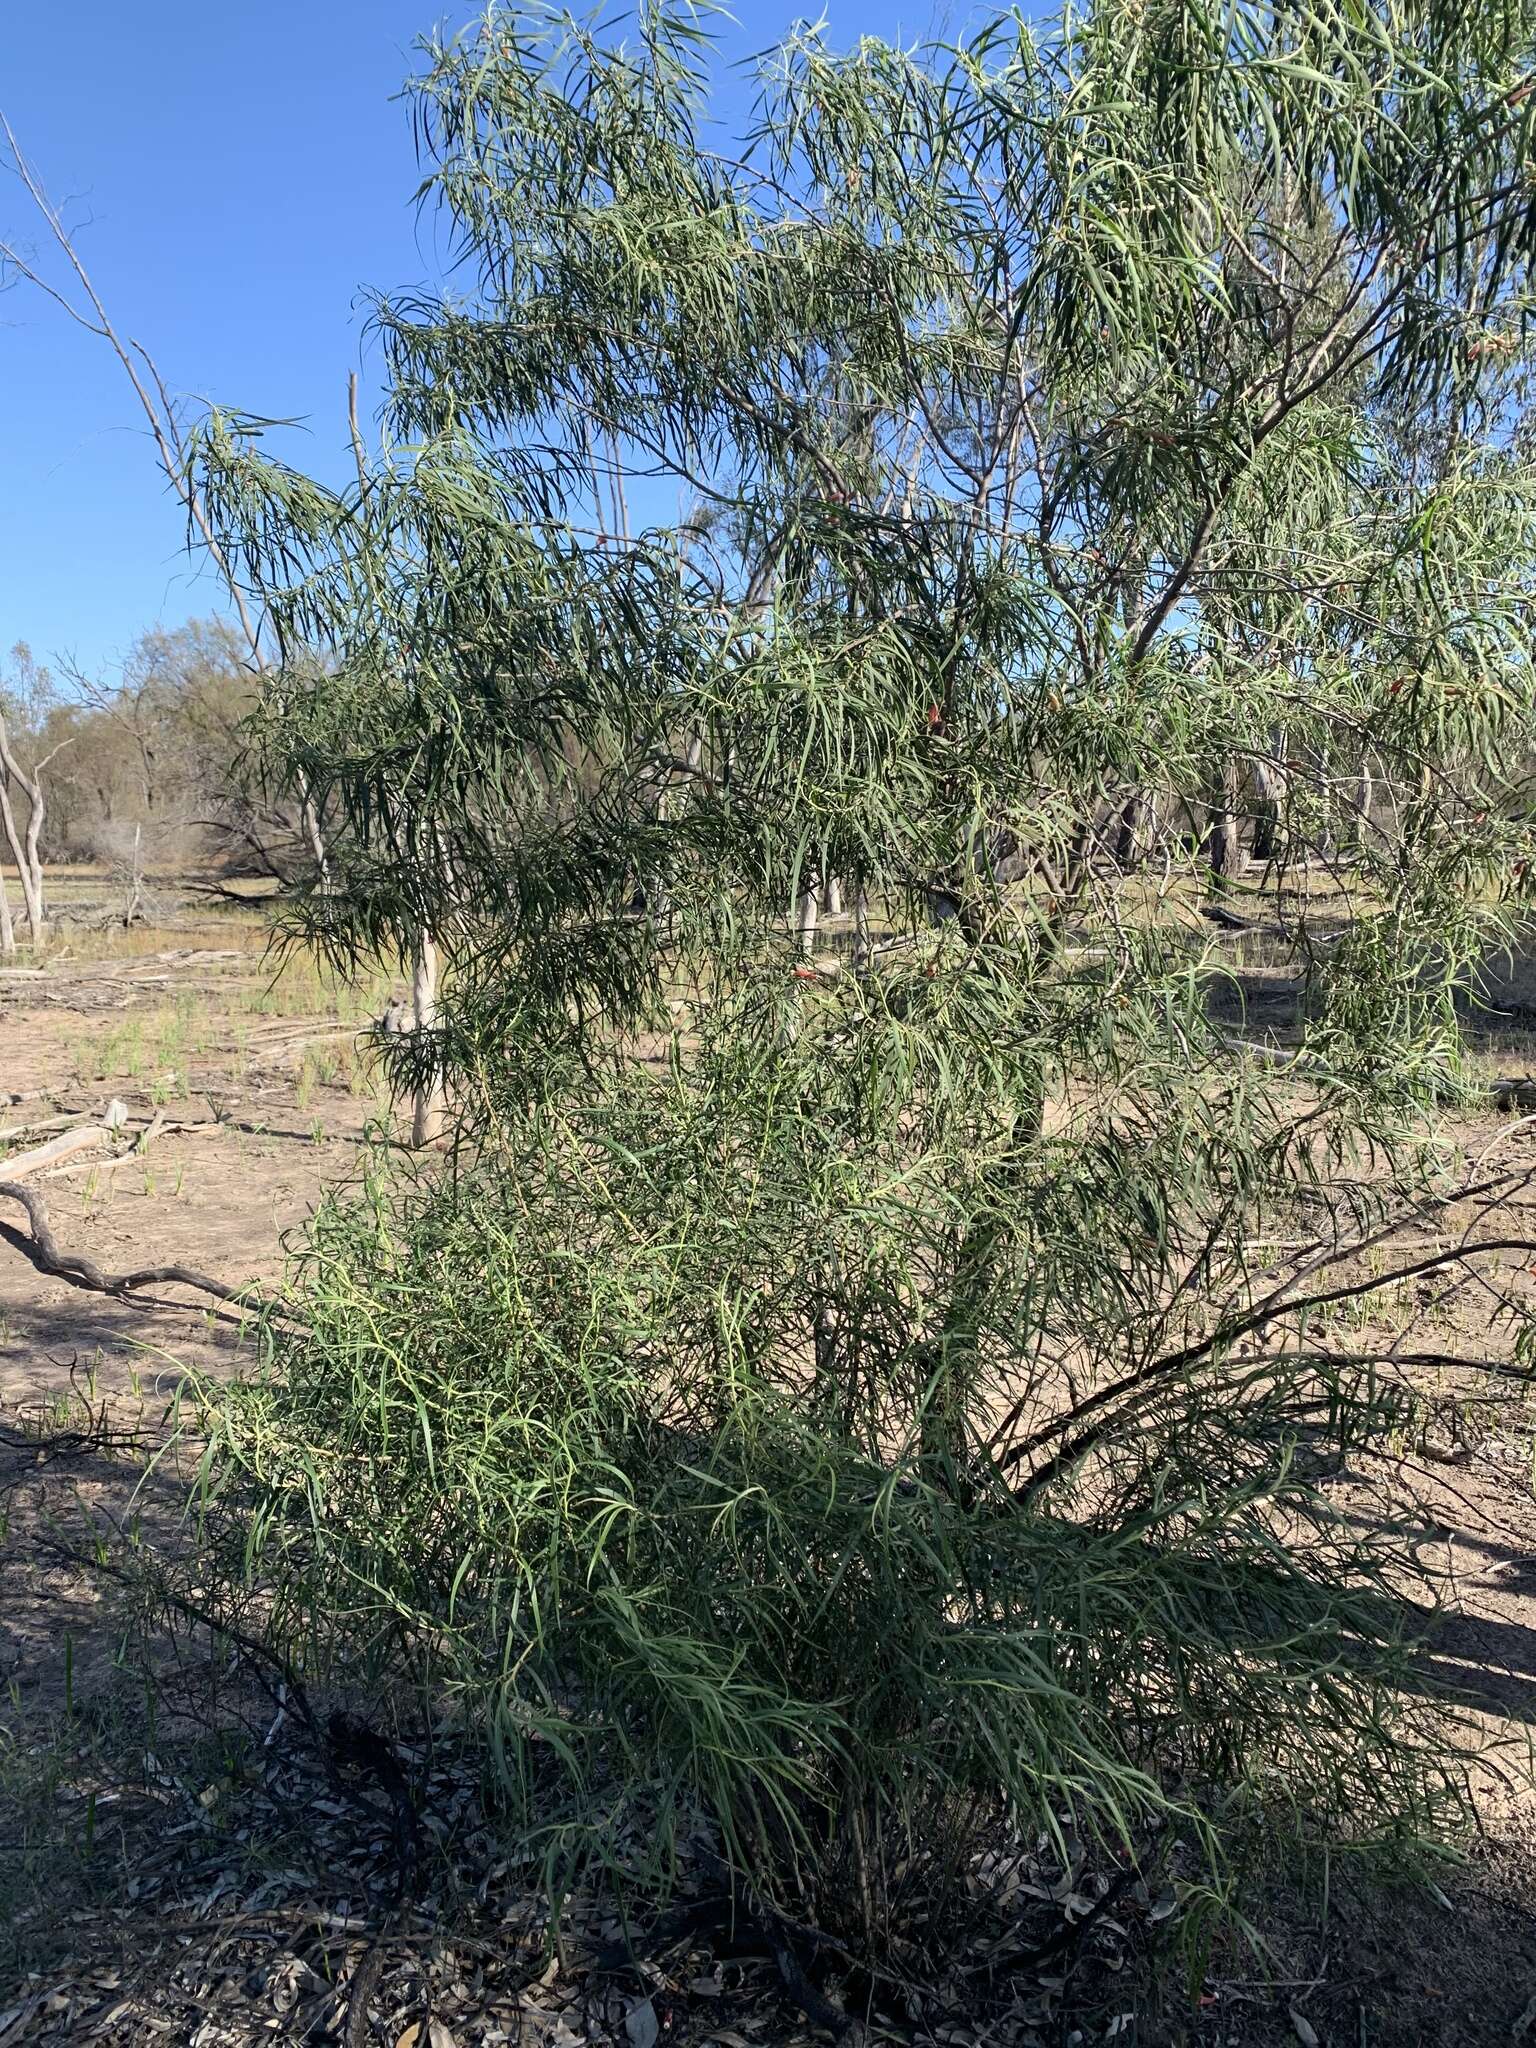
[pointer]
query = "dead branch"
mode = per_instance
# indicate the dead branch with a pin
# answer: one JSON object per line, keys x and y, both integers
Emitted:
{"x": 170, "y": 1128}
{"x": 46, "y": 1254}
{"x": 62, "y": 1147}
{"x": 1279, "y": 1304}
{"x": 42, "y": 1123}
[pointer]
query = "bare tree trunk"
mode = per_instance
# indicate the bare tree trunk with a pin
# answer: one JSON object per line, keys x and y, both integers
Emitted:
{"x": 7, "y": 929}
{"x": 310, "y": 818}
{"x": 861, "y": 949}
{"x": 32, "y": 849}
{"x": 24, "y": 846}
{"x": 427, "y": 1104}
{"x": 834, "y": 897}
{"x": 807, "y": 916}
{"x": 1269, "y": 791}
{"x": 1271, "y": 782}
{"x": 1365, "y": 789}
{"x": 1128, "y": 833}
{"x": 13, "y": 841}
{"x": 1223, "y": 840}
{"x": 134, "y": 908}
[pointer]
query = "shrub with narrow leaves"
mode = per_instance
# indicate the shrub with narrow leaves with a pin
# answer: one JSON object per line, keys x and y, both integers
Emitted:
{"x": 841, "y": 1386}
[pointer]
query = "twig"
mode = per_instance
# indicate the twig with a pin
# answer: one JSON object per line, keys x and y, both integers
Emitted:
{"x": 97, "y": 1439}
{"x": 365, "y": 1981}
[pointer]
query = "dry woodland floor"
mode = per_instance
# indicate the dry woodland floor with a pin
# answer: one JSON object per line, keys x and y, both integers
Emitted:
{"x": 179, "y": 1864}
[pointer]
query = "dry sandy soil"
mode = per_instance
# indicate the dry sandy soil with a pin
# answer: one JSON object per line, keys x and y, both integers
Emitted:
{"x": 152, "y": 1903}
{"x": 262, "y": 1099}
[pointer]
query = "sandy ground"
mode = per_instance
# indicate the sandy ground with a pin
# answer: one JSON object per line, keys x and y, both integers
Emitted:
{"x": 263, "y": 1101}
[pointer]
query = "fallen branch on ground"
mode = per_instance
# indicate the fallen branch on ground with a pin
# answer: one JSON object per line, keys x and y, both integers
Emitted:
{"x": 43, "y": 1249}
{"x": 1516, "y": 1091}
{"x": 86, "y": 1164}
{"x": 42, "y": 1123}
{"x": 83, "y": 1140}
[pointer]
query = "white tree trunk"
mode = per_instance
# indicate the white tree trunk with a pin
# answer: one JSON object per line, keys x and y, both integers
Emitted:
{"x": 7, "y": 929}
{"x": 134, "y": 907}
{"x": 310, "y": 820}
{"x": 807, "y": 917}
{"x": 36, "y": 916}
{"x": 24, "y": 846}
{"x": 1269, "y": 788}
{"x": 31, "y": 882}
{"x": 834, "y": 897}
{"x": 427, "y": 1104}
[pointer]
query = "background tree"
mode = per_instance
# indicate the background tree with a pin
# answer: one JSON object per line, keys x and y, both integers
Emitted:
{"x": 27, "y": 752}
{"x": 159, "y": 750}
{"x": 845, "y": 1402}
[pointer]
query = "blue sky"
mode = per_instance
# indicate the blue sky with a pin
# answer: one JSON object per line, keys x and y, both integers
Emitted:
{"x": 236, "y": 174}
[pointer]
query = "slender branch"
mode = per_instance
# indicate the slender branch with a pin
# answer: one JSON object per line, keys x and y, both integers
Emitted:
{"x": 1227, "y": 1333}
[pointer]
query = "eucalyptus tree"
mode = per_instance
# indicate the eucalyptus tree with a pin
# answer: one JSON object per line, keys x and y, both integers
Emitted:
{"x": 838, "y": 1398}
{"x": 25, "y": 697}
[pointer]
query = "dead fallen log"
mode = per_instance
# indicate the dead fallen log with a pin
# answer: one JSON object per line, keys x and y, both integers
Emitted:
{"x": 48, "y": 1256}
{"x": 112, "y": 1160}
{"x": 42, "y": 1123}
{"x": 84, "y": 1139}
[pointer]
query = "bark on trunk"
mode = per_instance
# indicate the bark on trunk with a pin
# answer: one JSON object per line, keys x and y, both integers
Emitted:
{"x": 31, "y": 882}
{"x": 310, "y": 820}
{"x": 1269, "y": 794}
{"x": 24, "y": 845}
{"x": 1128, "y": 834}
{"x": 1223, "y": 840}
{"x": 1365, "y": 789}
{"x": 427, "y": 1103}
{"x": 134, "y": 907}
{"x": 807, "y": 917}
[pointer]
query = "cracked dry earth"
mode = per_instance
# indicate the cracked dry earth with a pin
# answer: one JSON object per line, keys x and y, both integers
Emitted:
{"x": 162, "y": 1881}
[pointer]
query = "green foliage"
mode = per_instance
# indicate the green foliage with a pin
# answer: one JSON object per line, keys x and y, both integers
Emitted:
{"x": 599, "y": 1488}
{"x": 840, "y": 1397}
